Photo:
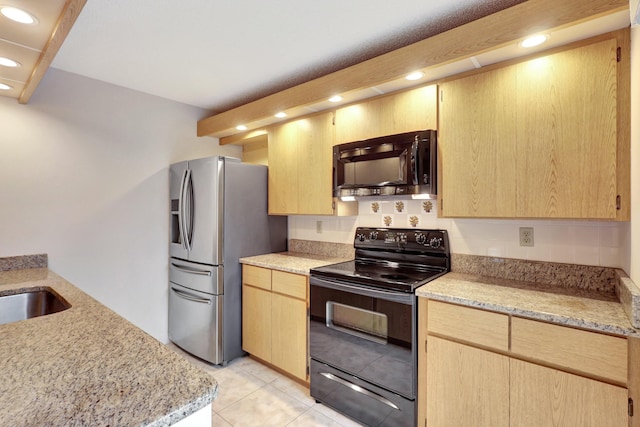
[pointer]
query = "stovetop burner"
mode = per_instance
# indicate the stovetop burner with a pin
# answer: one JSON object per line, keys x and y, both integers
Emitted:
{"x": 393, "y": 259}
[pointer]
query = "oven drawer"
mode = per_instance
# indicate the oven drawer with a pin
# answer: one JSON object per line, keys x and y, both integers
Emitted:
{"x": 370, "y": 405}
{"x": 480, "y": 327}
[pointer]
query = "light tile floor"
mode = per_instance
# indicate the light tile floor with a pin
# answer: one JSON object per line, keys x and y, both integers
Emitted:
{"x": 251, "y": 394}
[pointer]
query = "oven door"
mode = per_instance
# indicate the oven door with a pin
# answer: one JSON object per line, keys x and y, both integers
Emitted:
{"x": 367, "y": 336}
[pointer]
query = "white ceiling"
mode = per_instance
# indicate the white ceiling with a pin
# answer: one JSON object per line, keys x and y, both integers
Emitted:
{"x": 218, "y": 54}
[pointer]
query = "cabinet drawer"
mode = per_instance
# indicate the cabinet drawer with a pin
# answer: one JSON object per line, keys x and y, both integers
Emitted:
{"x": 591, "y": 353}
{"x": 294, "y": 285}
{"x": 256, "y": 276}
{"x": 471, "y": 325}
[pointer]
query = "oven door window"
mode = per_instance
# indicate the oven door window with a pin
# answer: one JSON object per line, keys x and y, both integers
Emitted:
{"x": 364, "y": 336}
{"x": 357, "y": 322}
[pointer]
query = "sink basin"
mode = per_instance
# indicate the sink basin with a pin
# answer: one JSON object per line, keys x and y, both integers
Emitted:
{"x": 31, "y": 303}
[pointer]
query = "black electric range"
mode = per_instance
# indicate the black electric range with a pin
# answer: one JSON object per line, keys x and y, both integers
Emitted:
{"x": 363, "y": 324}
{"x": 394, "y": 259}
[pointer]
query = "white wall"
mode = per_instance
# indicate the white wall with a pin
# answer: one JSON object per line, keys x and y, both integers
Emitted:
{"x": 84, "y": 178}
{"x": 634, "y": 231}
{"x": 575, "y": 242}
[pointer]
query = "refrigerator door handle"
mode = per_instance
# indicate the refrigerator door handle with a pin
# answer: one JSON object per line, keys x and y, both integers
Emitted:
{"x": 190, "y": 297}
{"x": 187, "y": 209}
{"x": 191, "y": 270}
{"x": 181, "y": 211}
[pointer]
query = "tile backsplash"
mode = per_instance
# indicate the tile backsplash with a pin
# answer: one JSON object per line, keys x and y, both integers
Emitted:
{"x": 577, "y": 242}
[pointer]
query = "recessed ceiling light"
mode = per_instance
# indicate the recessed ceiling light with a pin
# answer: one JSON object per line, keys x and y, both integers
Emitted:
{"x": 416, "y": 75}
{"x": 4, "y": 86}
{"x": 18, "y": 15}
{"x": 335, "y": 98}
{"x": 534, "y": 40}
{"x": 281, "y": 115}
{"x": 8, "y": 62}
{"x": 241, "y": 127}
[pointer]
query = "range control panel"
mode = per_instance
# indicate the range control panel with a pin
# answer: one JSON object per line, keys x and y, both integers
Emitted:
{"x": 402, "y": 239}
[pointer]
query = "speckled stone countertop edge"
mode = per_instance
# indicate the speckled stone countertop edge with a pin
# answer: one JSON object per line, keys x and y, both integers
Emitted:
{"x": 197, "y": 389}
{"x": 629, "y": 296}
{"x": 292, "y": 262}
{"x": 22, "y": 262}
{"x": 535, "y": 315}
{"x": 479, "y": 299}
{"x": 185, "y": 411}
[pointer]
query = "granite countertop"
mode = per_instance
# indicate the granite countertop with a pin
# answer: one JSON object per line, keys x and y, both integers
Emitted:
{"x": 572, "y": 307}
{"x": 88, "y": 366}
{"x": 293, "y": 262}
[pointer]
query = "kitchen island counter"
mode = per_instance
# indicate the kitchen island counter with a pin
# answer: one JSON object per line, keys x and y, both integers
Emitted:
{"x": 88, "y": 366}
{"x": 570, "y": 307}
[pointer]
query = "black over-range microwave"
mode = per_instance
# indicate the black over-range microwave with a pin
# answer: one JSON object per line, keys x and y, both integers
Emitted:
{"x": 387, "y": 166}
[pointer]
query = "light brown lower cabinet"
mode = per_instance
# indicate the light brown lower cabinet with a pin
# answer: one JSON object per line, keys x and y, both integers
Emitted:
{"x": 470, "y": 387}
{"x": 542, "y": 396}
{"x": 256, "y": 322}
{"x": 569, "y": 378}
{"x": 274, "y": 318}
{"x": 289, "y": 335}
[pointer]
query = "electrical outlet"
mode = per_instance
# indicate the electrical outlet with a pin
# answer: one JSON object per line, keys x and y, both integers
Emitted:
{"x": 526, "y": 236}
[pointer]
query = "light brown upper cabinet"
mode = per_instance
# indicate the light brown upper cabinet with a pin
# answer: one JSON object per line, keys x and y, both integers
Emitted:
{"x": 300, "y": 166}
{"x": 301, "y": 151}
{"x": 547, "y": 137}
{"x": 401, "y": 112}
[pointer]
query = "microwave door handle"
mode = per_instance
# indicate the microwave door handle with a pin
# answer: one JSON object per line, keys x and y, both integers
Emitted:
{"x": 181, "y": 202}
{"x": 188, "y": 209}
{"x": 414, "y": 163}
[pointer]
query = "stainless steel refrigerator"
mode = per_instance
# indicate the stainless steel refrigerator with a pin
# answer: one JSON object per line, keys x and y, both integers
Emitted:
{"x": 218, "y": 215}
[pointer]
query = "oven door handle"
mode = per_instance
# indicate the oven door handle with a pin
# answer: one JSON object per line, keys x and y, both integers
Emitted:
{"x": 400, "y": 297}
{"x": 359, "y": 389}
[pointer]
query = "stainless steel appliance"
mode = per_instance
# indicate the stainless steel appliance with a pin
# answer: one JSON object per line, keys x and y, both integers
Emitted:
{"x": 218, "y": 215}
{"x": 363, "y": 324}
{"x": 399, "y": 164}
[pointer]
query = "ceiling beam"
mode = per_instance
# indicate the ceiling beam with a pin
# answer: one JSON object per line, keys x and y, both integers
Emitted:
{"x": 68, "y": 16}
{"x": 482, "y": 35}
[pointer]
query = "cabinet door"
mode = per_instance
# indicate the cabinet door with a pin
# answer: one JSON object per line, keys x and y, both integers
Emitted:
{"x": 283, "y": 169}
{"x": 407, "y": 111}
{"x": 300, "y": 166}
{"x": 256, "y": 322}
{"x": 289, "y": 335}
{"x": 567, "y": 133}
{"x": 466, "y": 386}
{"x": 315, "y": 164}
{"x": 537, "y": 139}
{"x": 543, "y": 396}
{"x": 477, "y": 144}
